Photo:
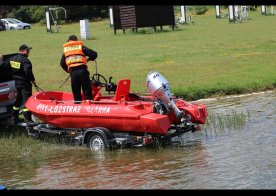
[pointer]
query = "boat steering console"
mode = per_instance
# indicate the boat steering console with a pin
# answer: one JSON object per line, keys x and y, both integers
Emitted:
{"x": 100, "y": 80}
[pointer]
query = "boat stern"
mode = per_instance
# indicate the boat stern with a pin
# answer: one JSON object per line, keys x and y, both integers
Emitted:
{"x": 196, "y": 112}
{"x": 155, "y": 123}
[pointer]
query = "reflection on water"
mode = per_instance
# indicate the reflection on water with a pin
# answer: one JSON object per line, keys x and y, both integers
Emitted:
{"x": 241, "y": 158}
{"x": 123, "y": 169}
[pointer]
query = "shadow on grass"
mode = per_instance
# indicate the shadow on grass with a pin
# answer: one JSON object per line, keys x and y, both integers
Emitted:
{"x": 151, "y": 30}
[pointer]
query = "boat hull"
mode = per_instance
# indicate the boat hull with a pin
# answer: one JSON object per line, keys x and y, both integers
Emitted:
{"x": 132, "y": 115}
{"x": 58, "y": 109}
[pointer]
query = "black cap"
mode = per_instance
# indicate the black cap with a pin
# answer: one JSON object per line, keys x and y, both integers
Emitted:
{"x": 24, "y": 47}
{"x": 72, "y": 38}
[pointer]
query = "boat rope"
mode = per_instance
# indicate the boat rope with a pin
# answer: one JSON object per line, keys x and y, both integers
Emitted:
{"x": 64, "y": 81}
{"x": 38, "y": 89}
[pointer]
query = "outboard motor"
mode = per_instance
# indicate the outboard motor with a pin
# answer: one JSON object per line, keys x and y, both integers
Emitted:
{"x": 159, "y": 88}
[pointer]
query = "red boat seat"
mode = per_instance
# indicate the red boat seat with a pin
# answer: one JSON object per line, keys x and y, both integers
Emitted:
{"x": 122, "y": 91}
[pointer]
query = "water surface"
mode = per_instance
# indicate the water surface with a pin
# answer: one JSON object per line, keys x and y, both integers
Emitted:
{"x": 232, "y": 158}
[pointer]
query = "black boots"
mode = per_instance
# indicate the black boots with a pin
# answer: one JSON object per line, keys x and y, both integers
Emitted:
{"x": 28, "y": 118}
{"x": 15, "y": 119}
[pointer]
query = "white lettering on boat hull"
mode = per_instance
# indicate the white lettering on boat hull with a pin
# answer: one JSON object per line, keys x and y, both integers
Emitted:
{"x": 59, "y": 109}
{"x": 97, "y": 109}
{"x": 66, "y": 109}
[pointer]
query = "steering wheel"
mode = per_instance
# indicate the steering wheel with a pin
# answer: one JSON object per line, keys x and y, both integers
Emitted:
{"x": 99, "y": 80}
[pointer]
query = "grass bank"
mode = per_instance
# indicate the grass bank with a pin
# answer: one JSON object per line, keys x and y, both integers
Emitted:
{"x": 17, "y": 145}
{"x": 210, "y": 58}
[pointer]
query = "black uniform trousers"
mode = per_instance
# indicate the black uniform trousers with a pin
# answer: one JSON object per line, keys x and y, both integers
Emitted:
{"x": 80, "y": 80}
{"x": 24, "y": 92}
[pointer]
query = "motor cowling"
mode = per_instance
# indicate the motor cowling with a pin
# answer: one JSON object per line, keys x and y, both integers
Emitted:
{"x": 159, "y": 88}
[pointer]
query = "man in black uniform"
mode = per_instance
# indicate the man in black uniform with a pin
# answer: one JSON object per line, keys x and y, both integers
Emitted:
{"x": 74, "y": 61}
{"x": 24, "y": 78}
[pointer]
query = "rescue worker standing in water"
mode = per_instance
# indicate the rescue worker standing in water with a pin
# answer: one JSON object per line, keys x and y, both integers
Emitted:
{"x": 74, "y": 62}
{"x": 24, "y": 78}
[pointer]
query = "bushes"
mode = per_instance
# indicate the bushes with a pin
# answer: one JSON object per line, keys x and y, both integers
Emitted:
{"x": 197, "y": 9}
{"x": 36, "y": 13}
{"x": 200, "y": 10}
{"x": 30, "y": 14}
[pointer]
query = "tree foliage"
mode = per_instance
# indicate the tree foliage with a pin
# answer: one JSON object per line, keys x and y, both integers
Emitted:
{"x": 31, "y": 14}
{"x": 36, "y": 13}
{"x": 86, "y": 12}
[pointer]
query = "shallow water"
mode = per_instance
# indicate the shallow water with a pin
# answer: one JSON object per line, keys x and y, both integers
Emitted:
{"x": 232, "y": 158}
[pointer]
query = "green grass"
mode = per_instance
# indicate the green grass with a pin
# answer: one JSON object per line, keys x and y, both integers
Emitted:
{"x": 17, "y": 145}
{"x": 210, "y": 58}
{"x": 218, "y": 123}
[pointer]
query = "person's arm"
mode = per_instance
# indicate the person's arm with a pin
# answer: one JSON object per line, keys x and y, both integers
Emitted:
{"x": 90, "y": 53}
{"x": 28, "y": 70}
{"x": 63, "y": 63}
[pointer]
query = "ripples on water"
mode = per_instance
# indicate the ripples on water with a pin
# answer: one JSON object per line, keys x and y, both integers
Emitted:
{"x": 242, "y": 158}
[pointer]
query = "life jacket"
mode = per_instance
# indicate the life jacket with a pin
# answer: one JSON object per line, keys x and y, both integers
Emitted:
{"x": 73, "y": 54}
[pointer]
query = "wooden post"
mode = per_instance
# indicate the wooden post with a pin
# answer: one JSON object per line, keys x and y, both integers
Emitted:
{"x": 218, "y": 11}
{"x": 263, "y": 10}
{"x": 111, "y": 16}
{"x": 231, "y": 13}
{"x": 183, "y": 15}
{"x": 48, "y": 22}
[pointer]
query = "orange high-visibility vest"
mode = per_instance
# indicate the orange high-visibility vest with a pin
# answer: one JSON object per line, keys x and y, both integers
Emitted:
{"x": 73, "y": 54}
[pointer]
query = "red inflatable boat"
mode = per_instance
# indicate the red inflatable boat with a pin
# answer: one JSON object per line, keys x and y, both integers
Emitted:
{"x": 121, "y": 112}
